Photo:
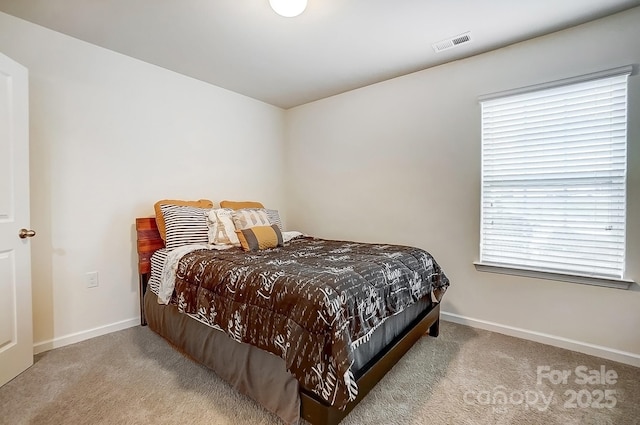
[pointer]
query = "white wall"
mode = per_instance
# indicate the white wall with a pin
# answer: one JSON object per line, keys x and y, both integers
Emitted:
{"x": 399, "y": 162}
{"x": 110, "y": 135}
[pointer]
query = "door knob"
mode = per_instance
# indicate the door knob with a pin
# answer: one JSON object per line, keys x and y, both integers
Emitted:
{"x": 24, "y": 233}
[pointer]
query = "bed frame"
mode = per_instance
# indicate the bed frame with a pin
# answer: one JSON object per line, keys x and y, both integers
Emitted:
{"x": 312, "y": 409}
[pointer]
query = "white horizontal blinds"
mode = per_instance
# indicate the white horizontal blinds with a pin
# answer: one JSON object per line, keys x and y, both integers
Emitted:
{"x": 554, "y": 177}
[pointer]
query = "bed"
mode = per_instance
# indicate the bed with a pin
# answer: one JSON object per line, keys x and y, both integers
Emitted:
{"x": 298, "y": 327}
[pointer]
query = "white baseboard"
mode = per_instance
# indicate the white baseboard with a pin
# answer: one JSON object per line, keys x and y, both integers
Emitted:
{"x": 41, "y": 347}
{"x": 556, "y": 341}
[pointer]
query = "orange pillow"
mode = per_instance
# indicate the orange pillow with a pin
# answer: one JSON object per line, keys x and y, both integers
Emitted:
{"x": 201, "y": 203}
{"x": 238, "y": 205}
{"x": 260, "y": 237}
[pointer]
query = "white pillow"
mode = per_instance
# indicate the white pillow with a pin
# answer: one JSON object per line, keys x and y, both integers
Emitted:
{"x": 222, "y": 231}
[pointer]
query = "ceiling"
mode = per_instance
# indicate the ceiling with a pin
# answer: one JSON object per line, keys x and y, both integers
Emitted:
{"x": 333, "y": 47}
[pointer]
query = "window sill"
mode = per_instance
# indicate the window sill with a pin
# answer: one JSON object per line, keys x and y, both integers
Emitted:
{"x": 540, "y": 274}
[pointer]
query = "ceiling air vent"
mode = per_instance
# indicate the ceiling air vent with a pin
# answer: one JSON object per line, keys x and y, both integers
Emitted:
{"x": 452, "y": 42}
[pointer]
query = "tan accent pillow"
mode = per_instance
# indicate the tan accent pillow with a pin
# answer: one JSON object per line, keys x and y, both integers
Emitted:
{"x": 201, "y": 203}
{"x": 250, "y": 217}
{"x": 238, "y": 205}
{"x": 260, "y": 237}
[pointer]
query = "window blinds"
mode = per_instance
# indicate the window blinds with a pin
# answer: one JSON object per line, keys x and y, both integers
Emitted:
{"x": 554, "y": 178}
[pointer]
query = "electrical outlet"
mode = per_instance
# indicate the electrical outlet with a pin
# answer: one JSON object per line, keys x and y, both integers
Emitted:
{"x": 92, "y": 279}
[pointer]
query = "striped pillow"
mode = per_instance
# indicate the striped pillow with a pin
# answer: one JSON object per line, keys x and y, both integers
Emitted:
{"x": 250, "y": 217}
{"x": 185, "y": 225}
{"x": 260, "y": 237}
{"x": 274, "y": 218}
{"x": 202, "y": 203}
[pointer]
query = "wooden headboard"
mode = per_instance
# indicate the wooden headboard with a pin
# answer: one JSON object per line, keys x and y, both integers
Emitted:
{"x": 148, "y": 241}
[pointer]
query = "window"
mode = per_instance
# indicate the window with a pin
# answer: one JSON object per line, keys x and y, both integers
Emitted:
{"x": 554, "y": 161}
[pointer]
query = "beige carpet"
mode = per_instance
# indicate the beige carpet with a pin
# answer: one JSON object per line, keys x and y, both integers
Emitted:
{"x": 135, "y": 377}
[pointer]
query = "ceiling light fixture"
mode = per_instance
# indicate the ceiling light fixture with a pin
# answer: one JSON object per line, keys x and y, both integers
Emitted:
{"x": 288, "y": 8}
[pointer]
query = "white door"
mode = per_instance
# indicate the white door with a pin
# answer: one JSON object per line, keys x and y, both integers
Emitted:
{"x": 16, "y": 332}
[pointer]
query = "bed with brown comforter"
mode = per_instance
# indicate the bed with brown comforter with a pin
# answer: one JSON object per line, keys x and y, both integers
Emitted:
{"x": 313, "y": 303}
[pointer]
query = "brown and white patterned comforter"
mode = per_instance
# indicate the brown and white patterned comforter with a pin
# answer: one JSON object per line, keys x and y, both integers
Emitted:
{"x": 311, "y": 302}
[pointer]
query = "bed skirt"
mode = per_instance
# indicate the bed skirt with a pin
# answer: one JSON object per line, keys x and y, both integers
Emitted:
{"x": 250, "y": 370}
{"x": 254, "y": 372}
